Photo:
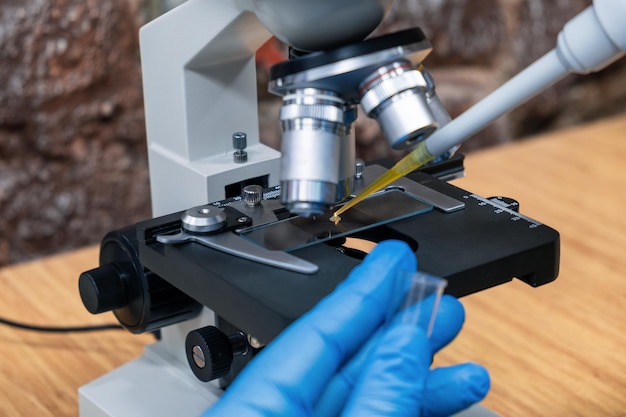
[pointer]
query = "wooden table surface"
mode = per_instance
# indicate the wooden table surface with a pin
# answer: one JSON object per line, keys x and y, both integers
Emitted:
{"x": 557, "y": 350}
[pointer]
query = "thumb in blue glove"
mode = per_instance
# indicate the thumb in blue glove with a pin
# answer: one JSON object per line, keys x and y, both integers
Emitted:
{"x": 338, "y": 360}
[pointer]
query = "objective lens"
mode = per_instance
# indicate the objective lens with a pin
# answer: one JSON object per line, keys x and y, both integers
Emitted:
{"x": 395, "y": 95}
{"x": 347, "y": 161}
{"x": 314, "y": 126}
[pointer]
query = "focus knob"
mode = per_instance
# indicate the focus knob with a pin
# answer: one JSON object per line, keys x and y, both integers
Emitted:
{"x": 140, "y": 300}
{"x": 210, "y": 352}
{"x": 102, "y": 289}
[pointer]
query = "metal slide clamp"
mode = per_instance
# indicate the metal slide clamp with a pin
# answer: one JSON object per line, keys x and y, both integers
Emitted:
{"x": 206, "y": 225}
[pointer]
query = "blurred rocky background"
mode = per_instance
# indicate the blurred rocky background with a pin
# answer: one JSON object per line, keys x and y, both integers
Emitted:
{"x": 72, "y": 139}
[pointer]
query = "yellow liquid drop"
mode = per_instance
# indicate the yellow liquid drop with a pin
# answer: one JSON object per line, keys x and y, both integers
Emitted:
{"x": 418, "y": 157}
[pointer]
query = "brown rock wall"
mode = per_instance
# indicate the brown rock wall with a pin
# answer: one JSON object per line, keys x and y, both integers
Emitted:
{"x": 72, "y": 143}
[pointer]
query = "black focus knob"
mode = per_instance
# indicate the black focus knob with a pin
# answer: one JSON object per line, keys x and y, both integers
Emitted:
{"x": 210, "y": 352}
{"x": 141, "y": 300}
{"x": 102, "y": 289}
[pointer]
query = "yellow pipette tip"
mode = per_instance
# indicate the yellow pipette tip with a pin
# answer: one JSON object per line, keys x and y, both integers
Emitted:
{"x": 418, "y": 157}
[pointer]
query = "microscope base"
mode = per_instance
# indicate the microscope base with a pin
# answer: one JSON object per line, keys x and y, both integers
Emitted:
{"x": 155, "y": 385}
{"x": 152, "y": 385}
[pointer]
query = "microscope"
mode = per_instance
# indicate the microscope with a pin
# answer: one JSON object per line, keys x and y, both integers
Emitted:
{"x": 241, "y": 244}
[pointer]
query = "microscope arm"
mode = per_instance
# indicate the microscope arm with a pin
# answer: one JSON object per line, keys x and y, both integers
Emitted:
{"x": 588, "y": 43}
{"x": 199, "y": 82}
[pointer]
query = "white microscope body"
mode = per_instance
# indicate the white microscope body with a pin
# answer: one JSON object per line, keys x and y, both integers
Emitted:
{"x": 199, "y": 83}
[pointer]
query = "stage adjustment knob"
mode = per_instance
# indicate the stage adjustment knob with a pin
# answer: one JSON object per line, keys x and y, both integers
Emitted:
{"x": 102, "y": 289}
{"x": 210, "y": 352}
{"x": 253, "y": 195}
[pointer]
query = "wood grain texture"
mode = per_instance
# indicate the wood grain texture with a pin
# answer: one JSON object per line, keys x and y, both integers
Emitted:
{"x": 41, "y": 372}
{"x": 560, "y": 349}
{"x": 557, "y": 350}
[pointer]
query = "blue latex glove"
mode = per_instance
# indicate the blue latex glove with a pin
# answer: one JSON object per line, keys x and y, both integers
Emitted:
{"x": 338, "y": 359}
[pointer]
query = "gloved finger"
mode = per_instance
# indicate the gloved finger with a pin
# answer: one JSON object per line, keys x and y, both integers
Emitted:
{"x": 392, "y": 382}
{"x": 449, "y": 320}
{"x": 451, "y": 389}
{"x": 449, "y": 317}
{"x": 310, "y": 351}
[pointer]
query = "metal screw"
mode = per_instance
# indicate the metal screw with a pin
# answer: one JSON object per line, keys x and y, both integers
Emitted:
{"x": 359, "y": 168}
{"x": 254, "y": 342}
{"x": 198, "y": 356}
{"x": 240, "y": 142}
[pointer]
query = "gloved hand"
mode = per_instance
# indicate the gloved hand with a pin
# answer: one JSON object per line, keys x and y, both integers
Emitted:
{"x": 338, "y": 360}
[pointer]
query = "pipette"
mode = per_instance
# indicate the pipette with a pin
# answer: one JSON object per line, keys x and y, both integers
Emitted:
{"x": 588, "y": 43}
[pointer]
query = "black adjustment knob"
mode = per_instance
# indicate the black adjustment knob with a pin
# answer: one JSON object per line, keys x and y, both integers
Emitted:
{"x": 102, "y": 289}
{"x": 210, "y": 352}
{"x": 140, "y": 300}
{"x": 506, "y": 202}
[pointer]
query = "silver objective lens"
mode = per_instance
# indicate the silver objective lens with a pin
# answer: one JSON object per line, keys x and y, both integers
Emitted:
{"x": 313, "y": 123}
{"x": 395, "y": 95}
{"x": 348, "y": 155}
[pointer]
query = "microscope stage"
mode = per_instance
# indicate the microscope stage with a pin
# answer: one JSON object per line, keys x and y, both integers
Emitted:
{"x": 479, "y": 244}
